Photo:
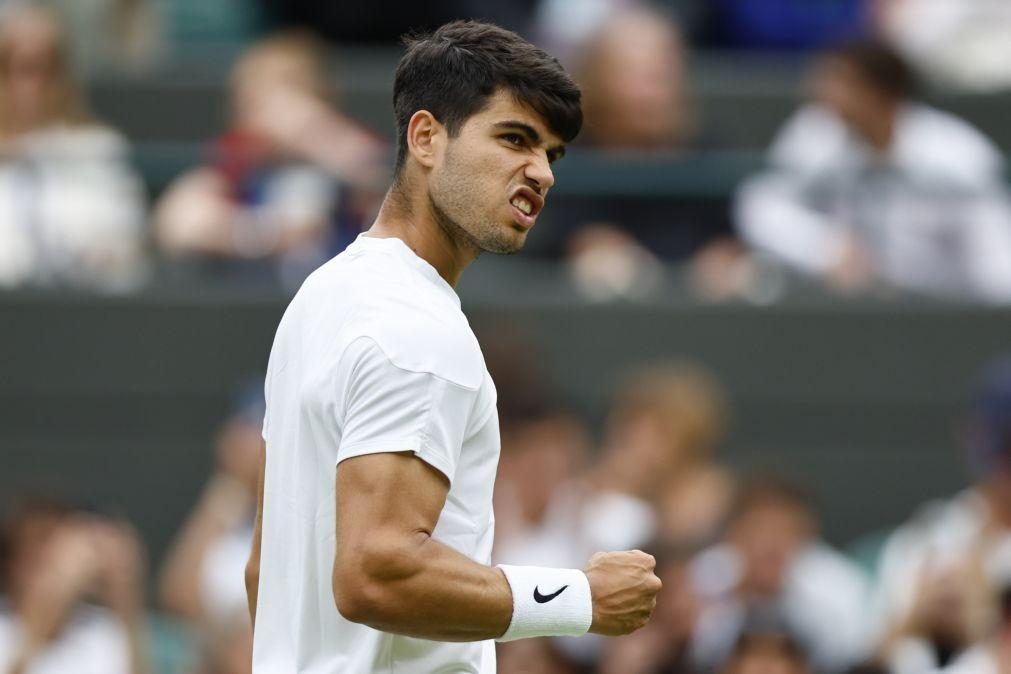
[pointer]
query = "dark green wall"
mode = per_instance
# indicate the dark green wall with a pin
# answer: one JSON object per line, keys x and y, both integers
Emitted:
{"x": 117, "y": 399}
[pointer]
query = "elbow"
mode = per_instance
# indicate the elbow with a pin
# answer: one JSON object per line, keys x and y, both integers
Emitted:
{"x": 368, "y": 588}
{"x": 252, "y": 576}
{"x": 355, "y": 600}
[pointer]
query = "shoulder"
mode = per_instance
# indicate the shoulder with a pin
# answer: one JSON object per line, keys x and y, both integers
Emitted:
{"x": 412, "y": 324}
{"x": 811, "y": 138}
{"x": 932, "y": 138}
{"x": 418, "y": 339}
{"x": 88, "y": 140}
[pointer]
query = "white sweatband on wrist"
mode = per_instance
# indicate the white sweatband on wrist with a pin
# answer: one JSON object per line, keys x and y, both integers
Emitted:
{"x": 547, "y": 602}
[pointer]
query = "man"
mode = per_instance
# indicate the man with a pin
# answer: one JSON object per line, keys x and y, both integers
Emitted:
{"x": 375, "y": 524}
{"x": 942, "y": 574}
{"x": 869, "y": 186}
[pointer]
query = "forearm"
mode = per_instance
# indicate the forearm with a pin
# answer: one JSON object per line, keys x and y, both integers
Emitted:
{"x": 252, "y": 587}
{"x": 23, "y": 657}
{"x": 427, "y": 590}
{"x": 223, "y": 504}
{"x": 137, "y": 643}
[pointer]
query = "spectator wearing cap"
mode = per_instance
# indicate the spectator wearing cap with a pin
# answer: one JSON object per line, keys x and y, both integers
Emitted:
{"x": 869, "y": 187}
{"x": 941, "y": 573}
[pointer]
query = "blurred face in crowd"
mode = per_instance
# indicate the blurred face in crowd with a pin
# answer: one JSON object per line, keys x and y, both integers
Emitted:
{"x": 31, "y": 546}
{"x": 766, "y": 654}
{"x": 231, "y": 647}
{"x": 643, "y": 452}
{"x": 238, "y": 451}
{"x": 842, "y": 88}
{"x": 487, "y": 185}
{"x": 677, "y": 605}
{"x": 272, "y": 83}
{"x": 541, "y": 455}
{"x": 634, "y": 79}
{"x": 767, "y": 535}
{"x": 30, "y": 55}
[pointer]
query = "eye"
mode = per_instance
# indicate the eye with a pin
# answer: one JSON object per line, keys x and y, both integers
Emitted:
{"x": 514, "y": 139}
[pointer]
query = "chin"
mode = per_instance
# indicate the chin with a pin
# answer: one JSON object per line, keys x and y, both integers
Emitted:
{"x": 504, "y": 240}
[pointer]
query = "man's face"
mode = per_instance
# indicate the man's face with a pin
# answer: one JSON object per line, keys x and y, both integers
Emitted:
{"x": 490, "y": 182}
{"x": 839, "y": 86}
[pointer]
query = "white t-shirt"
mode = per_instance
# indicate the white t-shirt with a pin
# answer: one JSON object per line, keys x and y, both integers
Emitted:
{"x": 92, "y": 642}
{"x": 372, "y": 355}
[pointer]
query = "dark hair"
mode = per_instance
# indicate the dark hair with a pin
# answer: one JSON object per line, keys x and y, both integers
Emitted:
{"x": 453, "y": 71}
{"x": 762, "y": 490}
{"x": 13, "y": 521}
{"x": 881, "y": 66}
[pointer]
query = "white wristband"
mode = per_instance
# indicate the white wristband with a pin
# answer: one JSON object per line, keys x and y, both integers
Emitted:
{"x": 547, "y": 602}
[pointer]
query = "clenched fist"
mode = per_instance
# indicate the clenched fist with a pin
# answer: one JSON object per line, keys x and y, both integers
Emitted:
{"x": 623, "y": 587}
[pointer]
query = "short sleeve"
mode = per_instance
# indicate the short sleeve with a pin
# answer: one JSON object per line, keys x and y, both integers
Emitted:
{"x": 386, "y": 408}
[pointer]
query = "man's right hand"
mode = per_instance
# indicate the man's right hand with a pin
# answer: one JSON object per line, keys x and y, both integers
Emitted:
{"x": 624, "y": 588}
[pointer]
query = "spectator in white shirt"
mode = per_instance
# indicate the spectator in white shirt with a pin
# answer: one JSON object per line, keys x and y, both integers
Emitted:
{"x": 868, "y": 186}
{"x": 71, "y": 207}
{"x": 772, "y": 568}
{"x": 941, "y": 573}
{"x": 75, "y": 586}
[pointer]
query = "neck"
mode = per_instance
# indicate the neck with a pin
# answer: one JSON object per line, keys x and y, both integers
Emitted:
{"x": 408, "y": 214}
{"x": 881, "y": 132}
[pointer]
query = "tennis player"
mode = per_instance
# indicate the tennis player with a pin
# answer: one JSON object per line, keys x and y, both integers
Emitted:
{"x": 374, "y": 527}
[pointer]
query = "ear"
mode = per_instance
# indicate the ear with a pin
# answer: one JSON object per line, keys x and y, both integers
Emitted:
{"x": 424, "y": 137}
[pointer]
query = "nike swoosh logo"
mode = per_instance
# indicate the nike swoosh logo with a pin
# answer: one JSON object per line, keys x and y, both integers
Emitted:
{"x": 543, "y": 598}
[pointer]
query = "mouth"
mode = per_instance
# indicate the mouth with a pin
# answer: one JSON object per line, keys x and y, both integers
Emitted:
{"x": 525, "y": 205}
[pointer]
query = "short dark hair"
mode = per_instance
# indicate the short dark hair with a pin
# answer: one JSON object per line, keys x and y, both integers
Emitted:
{"x": 881, "y": 66}
{"x": 453, "y": 71}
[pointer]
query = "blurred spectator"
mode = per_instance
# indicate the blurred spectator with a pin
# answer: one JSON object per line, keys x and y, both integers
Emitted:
{"x": 658, "y": 456}
{"x": 768, "y": 652}
{"x": 75, "y": 586}
{"x": 533, "y": 656}
{"x": 71, "y": 208}
{"x": 773, "y": 569}
{"x": 960, "y": 43}
{"x": 942, "y": 573}
{"x": 120, "y": 35}
{"x": 536, "y": 497}
{"x": 633, "y": 71}
{"x": 656, "y": 477}
{"x": 663, "y": 645}
{"x": 992, "y": 655}
{"x": 284, "y": 185}
{"x": 869, "y": 186}
{"x": 228, "y": 645}
{"x": 203, "y": 576}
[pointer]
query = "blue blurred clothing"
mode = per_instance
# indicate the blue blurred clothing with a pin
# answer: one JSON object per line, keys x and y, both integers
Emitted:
{"x": 788, "y": 24}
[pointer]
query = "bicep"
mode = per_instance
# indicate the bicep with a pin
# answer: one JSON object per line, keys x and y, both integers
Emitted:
{"x": 388, "y": 496}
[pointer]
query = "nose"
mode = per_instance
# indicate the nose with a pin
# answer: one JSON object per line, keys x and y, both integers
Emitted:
{"x": 539, "y": 171}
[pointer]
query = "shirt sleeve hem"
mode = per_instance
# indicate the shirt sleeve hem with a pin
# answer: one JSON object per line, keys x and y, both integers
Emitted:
{"x": 413, "y": 445}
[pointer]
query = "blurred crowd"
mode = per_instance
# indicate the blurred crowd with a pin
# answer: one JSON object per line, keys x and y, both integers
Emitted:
{"x": 750, "y": 583}
{"x": 867, "y": 188}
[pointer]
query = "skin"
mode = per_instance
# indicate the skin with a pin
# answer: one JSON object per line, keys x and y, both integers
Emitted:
{"x": 67, "y": 562}
{"x": 450, "y": 204}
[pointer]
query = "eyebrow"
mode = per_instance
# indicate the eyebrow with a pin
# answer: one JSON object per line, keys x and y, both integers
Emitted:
{"x": 558, "y": 151}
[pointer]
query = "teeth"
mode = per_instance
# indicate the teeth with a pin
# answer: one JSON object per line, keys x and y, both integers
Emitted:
{"x": 523, "y": 205}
